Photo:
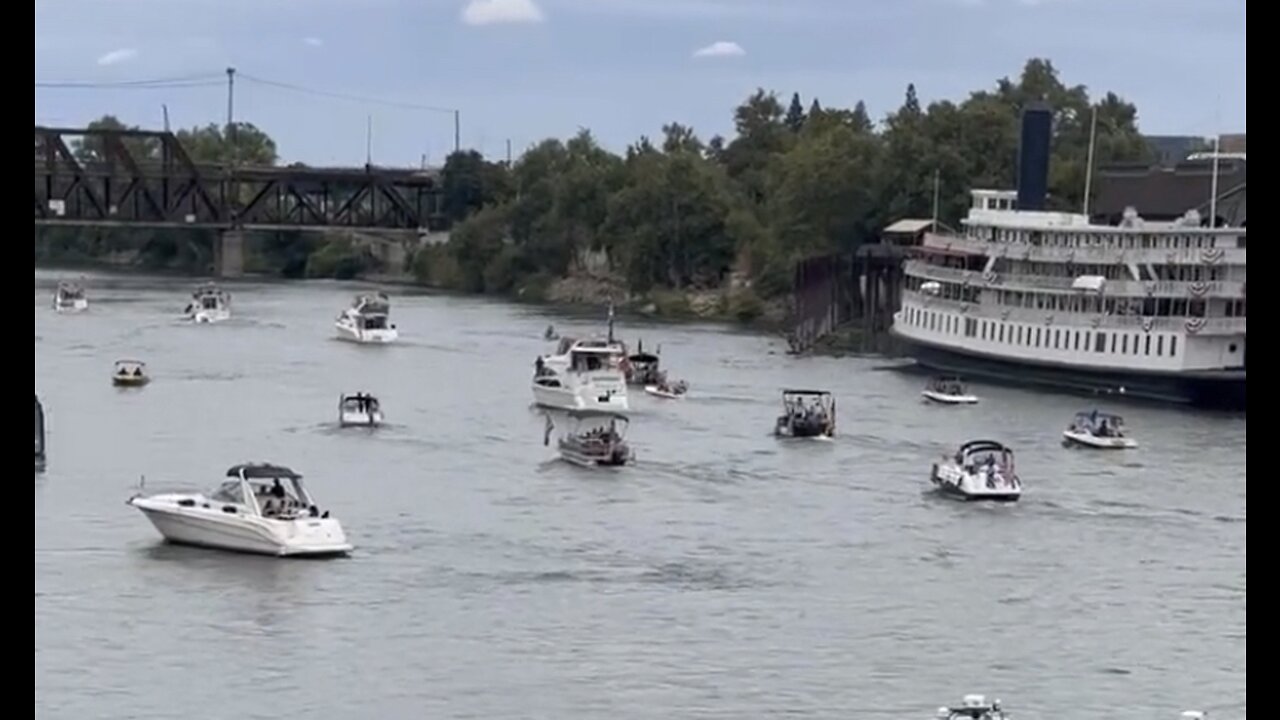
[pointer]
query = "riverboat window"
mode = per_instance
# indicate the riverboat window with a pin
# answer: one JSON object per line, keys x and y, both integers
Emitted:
{"x": 1100, "y": 342}
{"x": 1057, "y": 334}
{"x": 1160, "y": 345}
{"x": 1240, "y": 242}
{"x": 1019, "y": 335}
{"x": 1124, "y": 344}
{"x": 1113, "y": 342}
{"x": 1037, "y": 340}
{"x": 1196, "y": 308}
{"x": 1173, "y": 346}
{"x": 970, "y": 327}
{"x": 1001, "y": 333}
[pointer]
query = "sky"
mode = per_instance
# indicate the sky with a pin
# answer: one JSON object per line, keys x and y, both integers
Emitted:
{"x": 336, "y": 81}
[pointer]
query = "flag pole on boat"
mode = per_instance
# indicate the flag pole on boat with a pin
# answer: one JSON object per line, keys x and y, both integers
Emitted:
{"x": 1088, "y": 163}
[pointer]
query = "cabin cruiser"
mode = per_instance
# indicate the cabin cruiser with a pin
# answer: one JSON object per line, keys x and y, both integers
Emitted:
{"x": 596, "y": 438}
{"x": 69, "y": 297}
{"x": 667, "y": 389}
{"x": 130, "y": 373}
{"x": 1102, "y": 431}
{"x": 980, "y": 470}
{"x": 948, "y": 390}
{"x": 367, "y": 321}
{"x": 209, "y": 304}
{"x": 39, "y": 435}
{"x": 581, "y": 375}
{"x": 814, "y": 419}
{"x": 262, "y": 509}
{"x": 973, "y": 707}
{"x": 642, "y": 367}
{"x": 360, "y": 409}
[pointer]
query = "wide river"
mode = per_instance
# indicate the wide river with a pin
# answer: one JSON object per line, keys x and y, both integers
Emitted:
{"x": 726, "y": 575}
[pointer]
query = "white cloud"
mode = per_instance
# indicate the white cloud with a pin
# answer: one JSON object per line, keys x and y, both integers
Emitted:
{"x": 492, "y": 12}
{"x": 118, "y": 56}
{"x": 313, "y": 41}
{"x": 723, "y": 48}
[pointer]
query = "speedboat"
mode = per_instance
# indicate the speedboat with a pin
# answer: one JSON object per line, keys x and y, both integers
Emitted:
{"x": 973, "y": 707}
{"x": 130, "y": 373}
{"x": 595, "y": 439}
{"x": 262, "y": 509}
{"x": 980, "y": 470}
{"x": 70, "y": 297}
{"x": 367, "y": 321}
{"x": 360, "y": 409}
{"x": 39, "y": 435}
{"x": 209, "y": 304}
{"x": 948, "y": 391}
{"x": 642, "y": 367}
{"x": 668, "y": 390}
{"x": 1102, "y": 431}
{"x": 815, "y": 419}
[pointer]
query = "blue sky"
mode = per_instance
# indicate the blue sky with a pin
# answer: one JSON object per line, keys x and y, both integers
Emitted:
{"x": 527, "y": 69}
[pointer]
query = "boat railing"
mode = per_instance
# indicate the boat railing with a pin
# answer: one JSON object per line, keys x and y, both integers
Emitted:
{"x": 1093, "y": 254}
{"x": 1193, "y": 289}
{"x": 990, "y": 310}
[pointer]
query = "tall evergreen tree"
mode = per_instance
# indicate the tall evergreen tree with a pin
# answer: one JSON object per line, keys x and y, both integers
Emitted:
{"x": 795, "y": 114}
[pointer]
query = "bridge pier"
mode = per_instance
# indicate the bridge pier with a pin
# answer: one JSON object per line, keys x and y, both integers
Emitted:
{"x": 228, "y": 257}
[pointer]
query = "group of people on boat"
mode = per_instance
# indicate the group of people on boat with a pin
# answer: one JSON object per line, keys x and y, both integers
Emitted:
{"x": 810, "y": 414}
{"x": 364, "y": 402}
{"x": 1102, "y": 427}
{"x": 276, "y": 502}
{"x": 991, "y": 471}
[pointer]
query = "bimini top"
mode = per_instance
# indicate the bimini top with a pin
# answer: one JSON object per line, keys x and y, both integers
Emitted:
{"x": 261, "y": 471}
{"x": 70, "y": 288}
{"x": 126, "y": 364}
{"x": 823, "y": 393}
{"x": 974, "y": 446}
{"x": 1094, "y": 415}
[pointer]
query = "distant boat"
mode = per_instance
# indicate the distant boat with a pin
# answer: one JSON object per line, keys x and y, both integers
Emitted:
{"x": 817, "y": 419}
{"x": 974, "y": 707}
{"x": 130, "y": 373}
{"x": 367, "y": 321}
{"x": 69, "y": 297}
{"x": 1101, "y": 431}
{"x": 39, "y": 435}
{"x": 980, "y": 470}
{"x": 668, "y": 390}
{"x": 209, "y": 304}
{"x": 360, "y": 409}
{"x": 948, "y": 390}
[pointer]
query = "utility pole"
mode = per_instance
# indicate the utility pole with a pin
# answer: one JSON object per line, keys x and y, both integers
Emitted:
{"x": 165, "y": 110}
{"x": 231, "y": 105}
{"x": 457, "y": 131}
{"x": 508, "y": 152}
{"x": 368, "y": 142}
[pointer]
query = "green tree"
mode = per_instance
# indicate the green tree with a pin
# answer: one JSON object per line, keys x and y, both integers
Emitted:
{"x": 469, "y": 183}
{"x": 795, "y": 114}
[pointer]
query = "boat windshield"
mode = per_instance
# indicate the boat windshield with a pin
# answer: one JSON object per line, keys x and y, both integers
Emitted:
{"x": 228, "y": 492}
{"x": 374, "y": 322}
{"x": 1100, "y": 424}
{"x": 593, "y": 361}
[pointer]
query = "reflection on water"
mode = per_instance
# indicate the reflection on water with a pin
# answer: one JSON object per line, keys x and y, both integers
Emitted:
{"x": 726, "y": 575}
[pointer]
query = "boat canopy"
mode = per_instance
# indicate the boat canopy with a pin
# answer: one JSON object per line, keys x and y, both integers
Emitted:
{"x": 976, "y": 446}
{"x": 261, "y": 471}
{"x": 355, "y": 399}
{"x": 129, "y": 365}
{"x": 70, "y": 288}
{"x": 806, "y": 392}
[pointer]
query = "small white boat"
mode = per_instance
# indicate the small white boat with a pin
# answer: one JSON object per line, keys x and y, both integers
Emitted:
{"x": 595, "y": 438}
{"x": 669, "y": 391}
{"x": 262, "y": 509}
{"x": 39, "y": 435}
{"x": 973, "y": 707}
{"x": 980, "y": 470}
{"x": 209, "y": 304}
{"x": 814, "y": 419}
{"x": 69, "y": 297}
{"x": 130, "y": 373}
{"x": 1101, "y": 431}
{"x": 948, "y": 391}
{"x": 367, "y": 321}
{"x": 360, "y": 409}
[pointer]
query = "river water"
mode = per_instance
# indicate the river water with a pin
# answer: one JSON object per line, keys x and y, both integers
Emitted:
{"x": 726, "y": 575}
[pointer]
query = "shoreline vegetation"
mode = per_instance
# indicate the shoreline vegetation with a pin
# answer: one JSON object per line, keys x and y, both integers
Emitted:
{"x": 677, "y": 227}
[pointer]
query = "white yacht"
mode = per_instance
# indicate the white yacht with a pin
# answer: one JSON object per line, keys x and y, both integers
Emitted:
{"x": 367, "y": 320}
{"x": 263, "y": 509}
{"x": 1146, "y": 309}
{"x": 69, "y": 297}
{"x": 980, "y": 470}
{"x": 581, "y": 375}
{"x": 1102, "y": 431}
{"x": 973, "y": 707}
{"x": 209, "y": 304}
{"x": 359, "y": 410}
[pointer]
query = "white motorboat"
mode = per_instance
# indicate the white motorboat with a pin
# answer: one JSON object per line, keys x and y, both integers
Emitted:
{"x": 1101, "y": 431}
{"x": 359, "y": 410}
{"x": 973, "y": 707}
{"x": 39, "y": 435}
{"x": 262, "y": 509}
{"x": 581, "y": 375}
{"x": 69, "y": 297}
{"x": 814, "y": 419}
{"x": 596, "y": 438}
{"x": 980, "y": 470}
{"x": 668, "y": 390}
{"x": 948, "y": 391}
{"x": 209, "y": 304}
{"x": 368, "y": 321}
{"x": 130, "y": 373}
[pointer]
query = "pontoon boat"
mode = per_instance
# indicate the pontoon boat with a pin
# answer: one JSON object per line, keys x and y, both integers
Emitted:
{"x": 70, "y": 297}
{"x": 1102, "y": 431}
{"x": 39, "y": 435}
{"x": 262, "y": 509}
{"x": 948, "y": 391}
{"x": 130, "y": 373}
{"x": 974, "y": 707}
{"x": 368, "y": 321}
{"x": 980, "y": 470}
{"x": 813, "y": 419}
{"x": 209, "y": 304}
{"x": 360, "y": 409}
{"x": 595, "y": 438}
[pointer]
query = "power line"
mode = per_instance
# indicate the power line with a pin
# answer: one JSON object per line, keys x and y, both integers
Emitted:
{"x": 344, "y": 96}
{"x": 176, "y": 82}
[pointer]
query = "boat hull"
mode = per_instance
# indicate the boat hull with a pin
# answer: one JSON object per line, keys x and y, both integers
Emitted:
{"x": 1098, "y": 443}
{"x": 308, "y": 537}
{"x": 654, "y": 391}
{"x": 208, "y": 317}
{"x": 345, "y": 331}
{"x": 360, "y": 419}
{"x": 944, "y": 399}
{"x": 129, "y": 381}
{"x": 1223, "y": 390}
{"x": 582, "y": 399}
{"x": 70, "y": 306}
{"x": 958, "y": 487}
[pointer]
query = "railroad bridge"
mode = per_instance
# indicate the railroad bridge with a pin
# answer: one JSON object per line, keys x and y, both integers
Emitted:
{"x": 140, "y": 178}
